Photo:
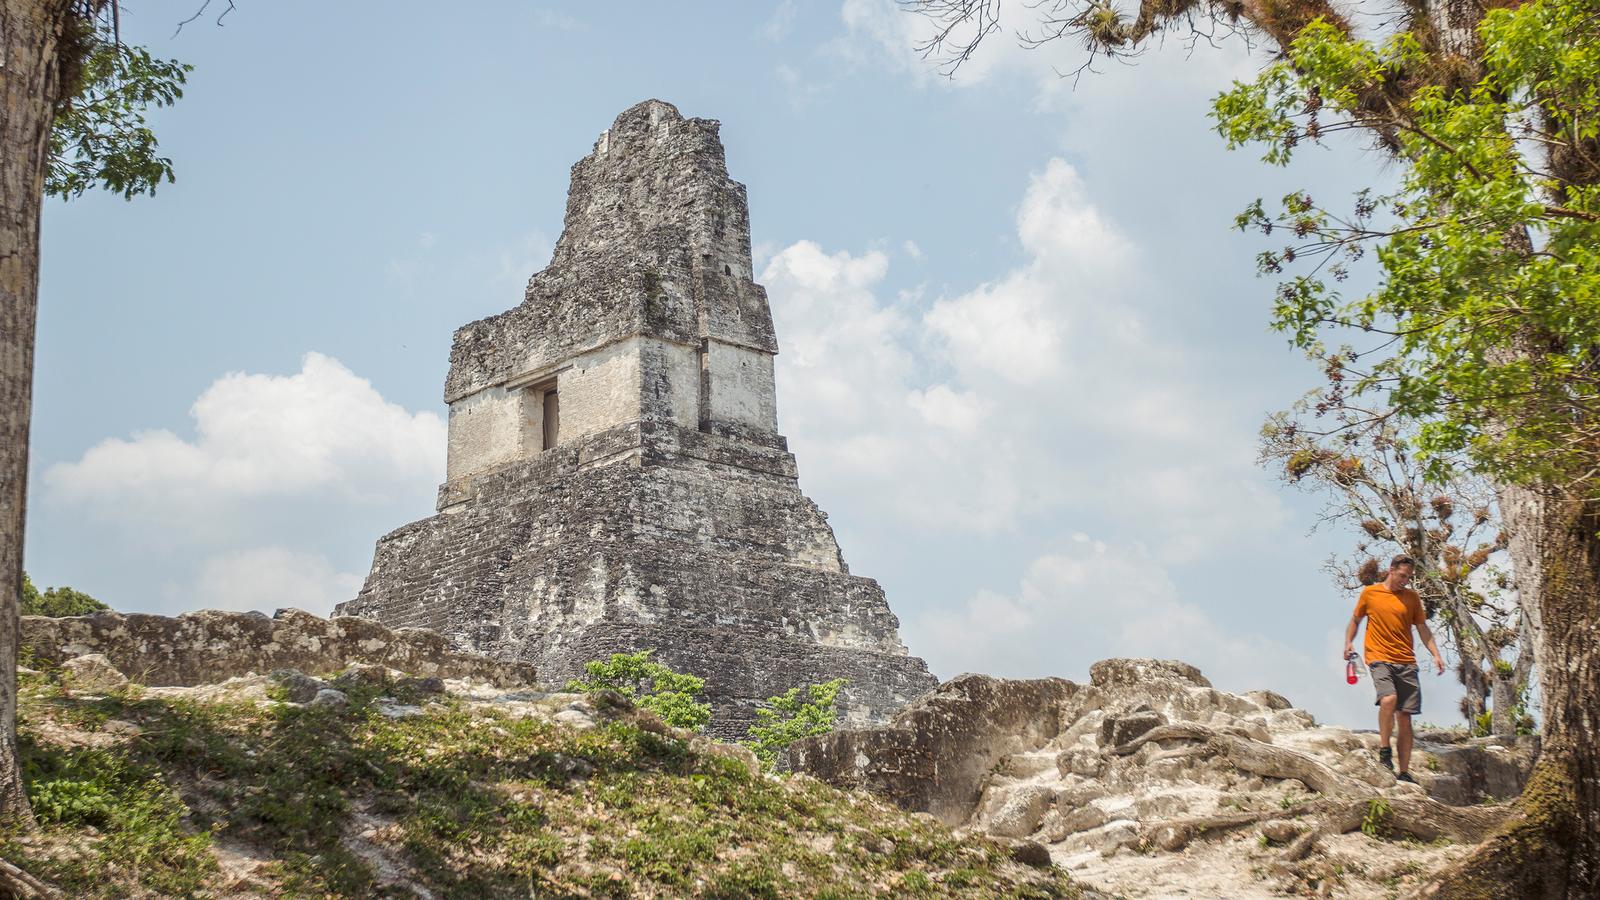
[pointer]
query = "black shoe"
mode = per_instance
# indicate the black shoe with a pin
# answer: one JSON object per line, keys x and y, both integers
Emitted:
{"x": 1386, "y": 756}
{"x": 1405, "y": 777}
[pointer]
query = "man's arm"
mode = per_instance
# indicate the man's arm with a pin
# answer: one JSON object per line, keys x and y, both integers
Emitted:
{"x": 1427, "y": 641}
{"x": 1350, "y": 630}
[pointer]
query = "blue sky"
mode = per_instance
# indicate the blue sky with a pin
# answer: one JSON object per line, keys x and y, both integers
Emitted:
{"x": 1024, "y": 357}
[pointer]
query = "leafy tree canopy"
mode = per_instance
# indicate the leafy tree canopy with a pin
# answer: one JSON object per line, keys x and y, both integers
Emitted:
{"x": 99, "y": 137}
{"x": 1488, "y": 312}
{"x": 57, "y": 601}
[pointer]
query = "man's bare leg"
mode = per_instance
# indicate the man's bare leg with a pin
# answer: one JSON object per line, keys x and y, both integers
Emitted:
{"x": 1402, "y": 749}
{"x": 1386, "y": 705}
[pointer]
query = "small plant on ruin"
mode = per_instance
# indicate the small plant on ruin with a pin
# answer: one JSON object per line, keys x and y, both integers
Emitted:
{"x": 788, "y": 717}
{"x": 1372, "y": 824}
{"x": 652, "y": 685}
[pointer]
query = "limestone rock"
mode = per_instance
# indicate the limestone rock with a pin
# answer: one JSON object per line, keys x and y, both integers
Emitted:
{"x": 571, "y": 766}
{"x": 1473, "y": 770}
{"x": 1269, "y": 699}
{"x": 615, "y": 479}
{"x": 576, "y": 718}
{"x": 121, "y": 728}
{"x": 1281, "y": 831}
{"x": 1120, "y": 729}
{"x": 1113, "y": 836}
{"x": 399, "y": 710}
{"x": 1080, "y": 761}
{"x": 92, "y": 673}
{"x": 1019, "y": 811}
{"x": 1114, "y": 672}
{"x": 1082, "y": 818}
{"x": 1029, "y": 853}
{"x": 739, "y": 753}
{"x": 1170, "y": 837}
{"x": 298, "y": 687}
{"x": 877, "y": 845}
{"x": 432, "y": 686}
{"x": 331, "y": 699}
{"x": 362, "y": 675}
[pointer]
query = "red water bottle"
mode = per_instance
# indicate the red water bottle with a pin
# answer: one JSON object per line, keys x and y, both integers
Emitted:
{"x": 1350, "y": 668}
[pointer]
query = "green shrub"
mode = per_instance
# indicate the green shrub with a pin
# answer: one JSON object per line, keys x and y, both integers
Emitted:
{"x": 787, "y": 718}
{"x": 652, "y": 685}
{"x": 140, "y": 819}
{"x": 57, "y": 601}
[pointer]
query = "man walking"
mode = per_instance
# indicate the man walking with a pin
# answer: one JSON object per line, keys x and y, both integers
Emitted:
{"x": 1391, "y": 609}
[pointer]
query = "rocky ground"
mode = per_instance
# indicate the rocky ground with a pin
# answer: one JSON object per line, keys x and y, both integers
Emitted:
{"x": 1158, "y": 785}
{"x": 464, "y": 779}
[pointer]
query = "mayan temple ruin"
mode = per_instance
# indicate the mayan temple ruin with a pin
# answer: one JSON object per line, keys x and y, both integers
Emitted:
{"x": 616, "y": 480}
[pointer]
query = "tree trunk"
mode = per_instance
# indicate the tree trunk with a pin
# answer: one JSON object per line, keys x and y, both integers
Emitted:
{"x": 31, "y": 34}
{"x": 1471, "y": 672}
{"x": 1552, "y": 849}
{"x": 1503, "y": 712}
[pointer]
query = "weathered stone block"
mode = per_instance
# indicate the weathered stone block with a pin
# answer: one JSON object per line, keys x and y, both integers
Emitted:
{"x": 1119, "y": 729}
{"x": 92, "y": 673}
{"x": 936, "y": 754}
{"x": 211, "y": 645}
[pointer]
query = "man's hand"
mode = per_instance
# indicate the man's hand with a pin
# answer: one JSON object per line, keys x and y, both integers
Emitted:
{"x": 1433, "y": 648}
{"x": 1347, "y": 651}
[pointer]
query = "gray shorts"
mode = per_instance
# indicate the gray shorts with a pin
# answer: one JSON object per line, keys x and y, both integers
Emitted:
{"x": 1393, "y": 678}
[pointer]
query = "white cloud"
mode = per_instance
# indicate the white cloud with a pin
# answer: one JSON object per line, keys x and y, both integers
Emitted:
{"x": 851, "y": 393}
{"x": 882, "y": 30}
{"x": 266, "y": 579}
{"x": 1090, "y": 601}
{"x": 555, "y": 21}
{"x": 323, "y": 430}
{"x": 1007, "y": 329}
{"x": 781, "y": 22}
{"x": 799, "y": 88}
{"x": 1066, "y": 233}
{"x": 958, "y": 411}
{"x": 1042, "y": 393}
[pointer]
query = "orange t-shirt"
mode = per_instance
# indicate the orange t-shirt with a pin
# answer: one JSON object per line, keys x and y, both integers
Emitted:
{"x": 1390, "y": 616}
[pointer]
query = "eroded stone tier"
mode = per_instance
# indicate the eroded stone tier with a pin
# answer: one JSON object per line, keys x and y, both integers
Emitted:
{"x": 616, "y": 480}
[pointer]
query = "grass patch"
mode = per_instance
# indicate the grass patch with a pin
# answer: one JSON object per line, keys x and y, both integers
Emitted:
{"x": 461, "y": 801}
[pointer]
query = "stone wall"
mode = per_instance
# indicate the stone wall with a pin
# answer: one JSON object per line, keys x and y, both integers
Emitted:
{"x": 212, "y": 645}
{"x": 742, "y": 389}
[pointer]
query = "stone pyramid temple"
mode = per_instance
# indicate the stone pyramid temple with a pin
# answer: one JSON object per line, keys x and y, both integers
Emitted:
{"x": 615, "y": 476}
